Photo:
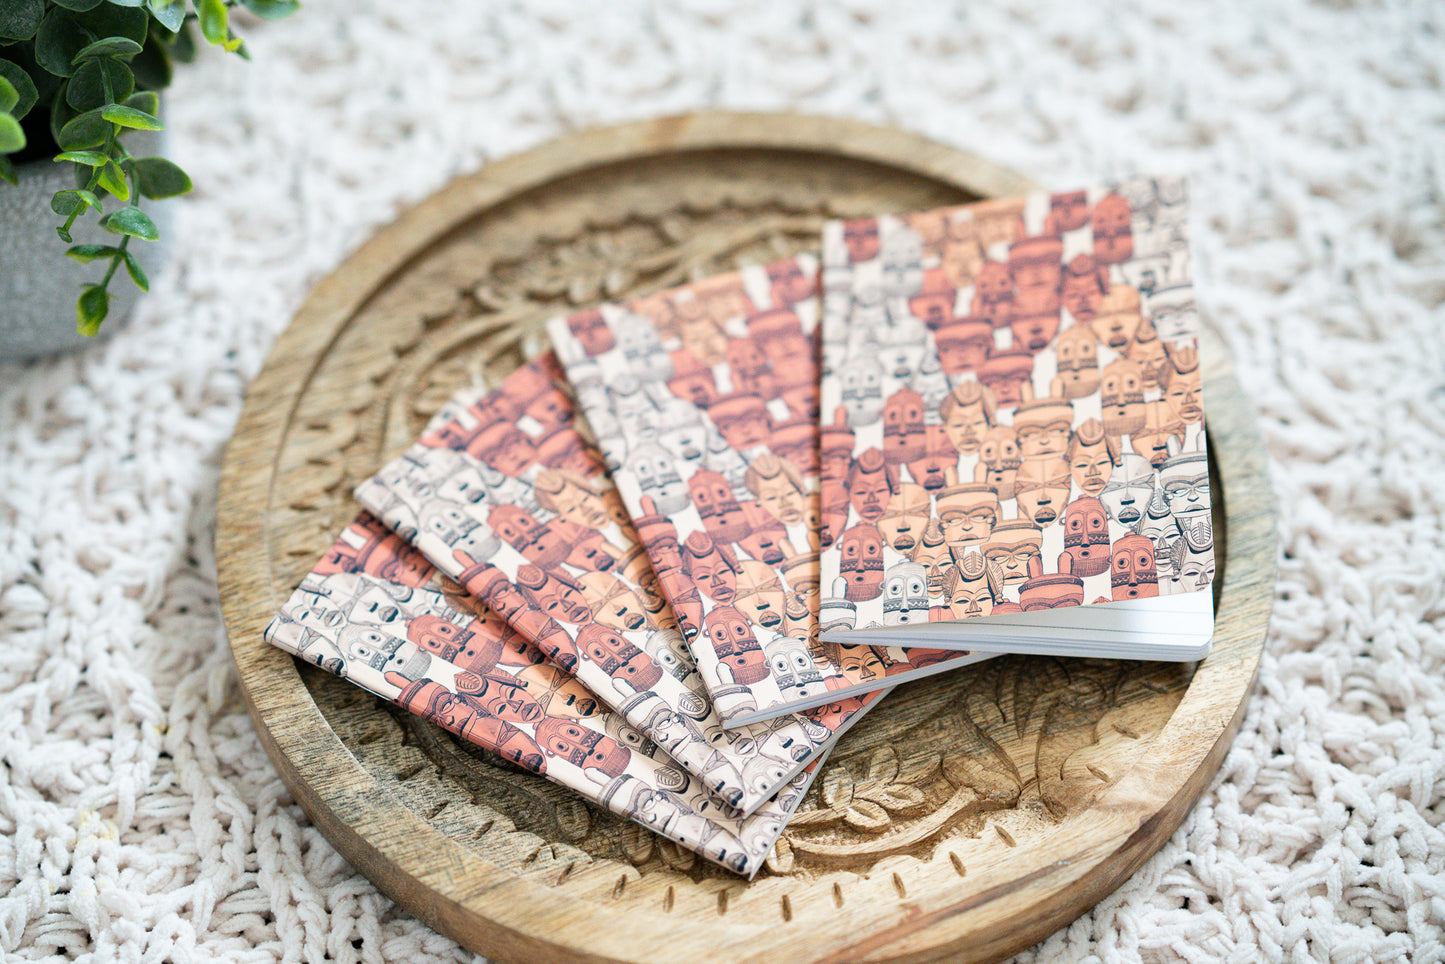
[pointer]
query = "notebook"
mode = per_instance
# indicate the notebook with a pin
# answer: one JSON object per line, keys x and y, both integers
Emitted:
{"x": 1014, "y": 453}
{"x": 374, "y": 612}
{"x": 703, "y": 402}
{"x": 505, "y": 496}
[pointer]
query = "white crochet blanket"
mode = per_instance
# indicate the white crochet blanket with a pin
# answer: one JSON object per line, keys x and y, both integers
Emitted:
{"x": 140, "y": 819}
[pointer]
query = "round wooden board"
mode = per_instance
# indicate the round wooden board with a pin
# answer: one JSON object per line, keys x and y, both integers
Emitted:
{"x": 967, "y": 817}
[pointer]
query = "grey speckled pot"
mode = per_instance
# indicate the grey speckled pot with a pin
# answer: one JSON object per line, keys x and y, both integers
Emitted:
{"x": 38, "y": 284}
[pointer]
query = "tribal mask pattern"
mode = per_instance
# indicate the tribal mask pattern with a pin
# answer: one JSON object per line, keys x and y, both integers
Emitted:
{"x": 704, "y": 398}
{"x": 375, "y": 613}
{"x": 1072, "y": 466}
{"x": 543, "y": 541}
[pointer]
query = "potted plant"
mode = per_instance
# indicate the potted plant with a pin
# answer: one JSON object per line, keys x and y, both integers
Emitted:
{"x": 79, "y": 89}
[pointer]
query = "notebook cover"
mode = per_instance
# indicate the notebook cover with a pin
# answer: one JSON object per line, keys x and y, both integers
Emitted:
{"x": 703, "y": 402}
{"x": 1013, "y": 416}
{"x": 375, "y": 612}
{"x": 504, "y": 495}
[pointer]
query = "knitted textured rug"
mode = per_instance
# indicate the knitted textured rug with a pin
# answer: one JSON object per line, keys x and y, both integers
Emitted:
{"x": 140, "y": 819}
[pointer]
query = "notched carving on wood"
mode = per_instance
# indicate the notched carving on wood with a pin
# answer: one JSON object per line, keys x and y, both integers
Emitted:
{"x": 1017, "y": 733}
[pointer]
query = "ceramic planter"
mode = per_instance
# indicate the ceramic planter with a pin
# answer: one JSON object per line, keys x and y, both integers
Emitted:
{"x": 38, "y": 284}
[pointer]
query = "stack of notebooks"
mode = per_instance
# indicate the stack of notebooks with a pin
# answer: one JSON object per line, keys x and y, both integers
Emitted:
{"x": 672, "y": 559}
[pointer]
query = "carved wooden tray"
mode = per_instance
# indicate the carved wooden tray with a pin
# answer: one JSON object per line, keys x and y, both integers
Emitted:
{"x": 968, "y": 816}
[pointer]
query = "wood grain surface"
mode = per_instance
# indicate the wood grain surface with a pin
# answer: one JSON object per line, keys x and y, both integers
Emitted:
{"x": 965, "y": 818}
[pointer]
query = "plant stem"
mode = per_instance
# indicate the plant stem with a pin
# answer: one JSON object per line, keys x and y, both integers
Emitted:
{"x": 115, "y": 261}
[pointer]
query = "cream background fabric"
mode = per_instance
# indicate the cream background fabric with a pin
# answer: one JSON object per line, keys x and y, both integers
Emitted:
{"x": 139, "y": 818}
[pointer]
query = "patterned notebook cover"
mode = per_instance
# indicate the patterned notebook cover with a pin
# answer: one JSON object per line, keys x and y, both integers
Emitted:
{"x": 1013, "y": 412}
{"x": 702, "y": 399}
{"x": 505, "y": 496}
{"x": 373, "y": 611}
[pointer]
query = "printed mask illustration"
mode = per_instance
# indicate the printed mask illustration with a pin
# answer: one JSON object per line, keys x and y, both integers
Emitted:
{"x": 617, "y": 657}
{"x": 899, "y": 358}
{"x": 797, "y": 442}
{"x": 1043, "y": 428}
{"x": 1077, "y": 363}
{"x": 938, "y": 466}
{"x": 963, "y": 346}
{"x": 1117, "y": 317}
{"x": 1113, "y": 237}
{"x": 637, "y": 339}
{"x": 1091, "y": 457}
{"x": 1132, "y": 568}
{"x": 590, "y": 328}
{"x": 861, "y": 239}
{"x": 1148, "y": 352}
{"x": 935, "y": 301}
{"x": 861, "y": 549}
{"x": 930, "y": 382}
{"x": 967, "y": 413}
{"x": 712, "y": 569}
{"x": 789, "y": 284}
{"x": 736, "y": 646}
{"x": 905, "y": 595}
{"x": 1055, "y": 590}
{"x": 967, "y": 514}
{"x": 972, "y": 586}
{"x": 994, "y": 294}
{"x": 1184, "y": 483}
{"x": 742, "y": 418}
{"x": 766, "y": 539}
{"x": 1127, "y": 493}
{"x": 1068, "y": 211}
{"x": 718, "y": 507}
{"x": 903, "y": 520}
{"x": 1181, "y": 383}
{"x": 903, "y": 431}
{"x": 1173, "y": 312}
{"x": 555, "y": 593}
{"x": 1086, "y": 537}
{"x": 1084, "y": 288}
{"x": 871, "y": 484}
{"x": 932, "y": 553}
{"x": 583, "y": 748}
{"x": 793, "y": 668}
{"x": 543, "y": 546}
{"x": 1122, "y": 394}
{"x": 1012, "y": 546}
{"x": 691, "y": 379}
{"x": 1040, "y": 496}
{"x": 760, "y": 595}
{"x": 1162, "y": 431}
{"x": 568, "y": 495}
{"x": 777, "y": 485}
{"x": 653, "y": 467}
{"x": 999, "y": 460}
{"x": 1007, "y": 374}
{"x": 751, "y": 371}
{"x": 863, "y": 391}
{"x": 504, "y": 448}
